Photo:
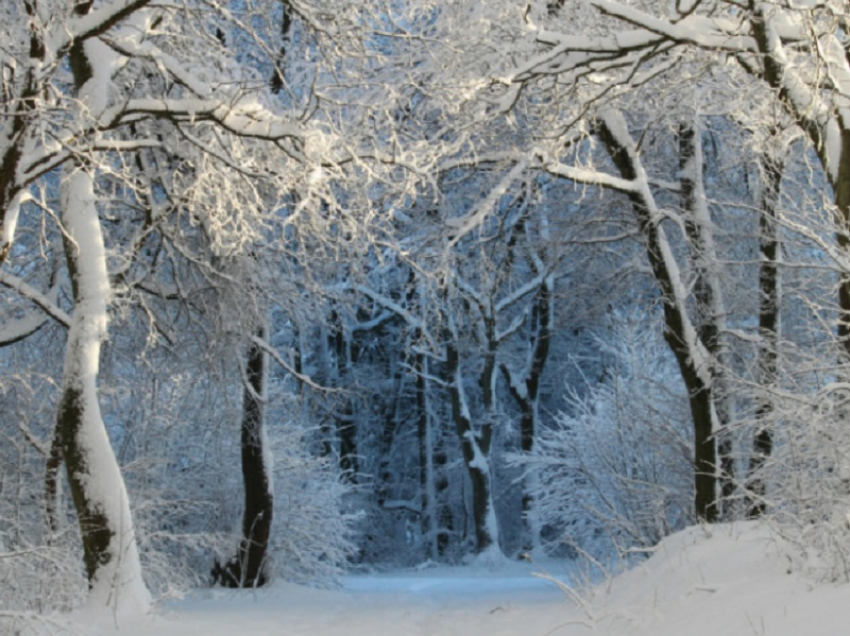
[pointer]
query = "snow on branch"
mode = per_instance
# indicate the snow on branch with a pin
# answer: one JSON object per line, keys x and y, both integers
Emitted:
{"x": 463, "y": 226}
{"x": 245, "y": 119}
{"x": 615, "y": 125}
{"x": 521, "y": 292}
{"x": 22, "y": 328}
{"x": 97, "y": 21}
{"x": 305, "y": 379}
{"x": 45, "y": 303}
{"x": 588, "y": 176}
{"x": 709, "y": 33}
{"x": 393, "y": 306}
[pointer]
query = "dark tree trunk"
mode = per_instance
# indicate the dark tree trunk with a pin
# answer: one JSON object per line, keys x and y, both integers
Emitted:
{"x": 676, "y": 332}
{"x": 769, "y": 305}
{"x": 839, "y": 175}
{"x": 526, "y": 391}
{"x": 20, "y": 114}
{"x": 346, "y": 429}
{"x": 51, "y": 483}
{"x": 427, "y": 483}
{"x": 707, "y": 293}
{"x": 278, "y": 76}
{"x": 841, "y": 188}
{"x": 250, "y": 566}
{"x": 95, "y": 525}
{"x": 475, "y": 447}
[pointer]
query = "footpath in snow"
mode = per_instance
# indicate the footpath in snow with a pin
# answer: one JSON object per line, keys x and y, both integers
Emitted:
{"x": 727, "y": 580}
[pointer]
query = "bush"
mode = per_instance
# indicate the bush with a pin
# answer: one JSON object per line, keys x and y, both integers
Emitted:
{"x": 615, "y": 470}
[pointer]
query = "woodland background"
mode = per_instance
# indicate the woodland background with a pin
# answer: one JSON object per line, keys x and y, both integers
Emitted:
{"x": 481, "y": 280}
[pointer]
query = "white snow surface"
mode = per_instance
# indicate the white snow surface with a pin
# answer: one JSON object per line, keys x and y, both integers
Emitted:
{"x": 729, "y": 580}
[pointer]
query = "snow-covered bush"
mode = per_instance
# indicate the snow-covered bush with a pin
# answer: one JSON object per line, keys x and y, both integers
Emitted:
{"x": 807, "y": 479}
{"x": 312, "y": 534}
{"x": 40, "y": 574}
{"x": 615, "y": 469}
{"x": 185, "y": 478}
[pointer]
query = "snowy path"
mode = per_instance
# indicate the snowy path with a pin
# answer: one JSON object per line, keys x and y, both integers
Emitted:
{"x": 725, "y": 580}
{"x": 436, "y": 602}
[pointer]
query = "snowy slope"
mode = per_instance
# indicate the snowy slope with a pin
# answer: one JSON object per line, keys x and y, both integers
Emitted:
{"x": 727, "y": 580}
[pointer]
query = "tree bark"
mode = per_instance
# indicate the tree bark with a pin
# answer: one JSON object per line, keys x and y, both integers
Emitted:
{"x": 526, "y": 391}
{"x": 679, "y": 333}
{"x": 475, "y": 446}
{"x": 51, "y": 484}
{"x": 95, "y": 481}
{"x": 708, "y": 294}
{"x": 769, "y": 306}
{"x": 250, "y": 566}
{"x": 427, "y": 478}
{"x": 96, "y": 484}
{"x": 834, "y": 157}
{"x": 344, "y": 419}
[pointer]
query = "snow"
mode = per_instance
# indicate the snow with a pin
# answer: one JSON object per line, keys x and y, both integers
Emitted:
{"x": 10, "y": 222}
{"x": 117, "y": 583}
{"x": 725, "y": 579}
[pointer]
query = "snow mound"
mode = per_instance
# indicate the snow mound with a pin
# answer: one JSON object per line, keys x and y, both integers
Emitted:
{"x": 727, "y": 579}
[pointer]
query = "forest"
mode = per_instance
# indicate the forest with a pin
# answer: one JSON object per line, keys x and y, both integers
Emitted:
{"x": 294, "y": 287}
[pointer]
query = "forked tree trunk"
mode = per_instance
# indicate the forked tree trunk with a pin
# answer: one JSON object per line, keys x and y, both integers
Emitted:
{"x": 679, "y": 332}
{"x": 525, "y": 389}
{"x": 475, "y": 446}
{"x": 96, "y": 485}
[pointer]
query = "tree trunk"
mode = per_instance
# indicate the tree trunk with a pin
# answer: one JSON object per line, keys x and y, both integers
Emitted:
{"x": 834, "y": 154}
{"x": 476, "y": 448}
{"x": 95, "y": 481}
{"x": 96, "y": 484}
{"x": 526, "y": 391}
{"x": 346, "y": 429}
{"x": 250, "y": 566}
{"x": 51, "y": 484}
{"x": 679, "y": 333}
{"x": 769, "y": 306}
{"x": 427, "y": 480}
{"x": 841, "y": 188}
{"x": 710, "y": 308}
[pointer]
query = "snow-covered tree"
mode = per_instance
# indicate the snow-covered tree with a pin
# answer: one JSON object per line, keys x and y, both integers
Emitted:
{"x": 614, "y": 471}
{"x": 140, "y": 115}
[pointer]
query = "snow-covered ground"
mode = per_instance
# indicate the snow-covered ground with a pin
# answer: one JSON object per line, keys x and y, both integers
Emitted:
{"x": 727, "y": 580}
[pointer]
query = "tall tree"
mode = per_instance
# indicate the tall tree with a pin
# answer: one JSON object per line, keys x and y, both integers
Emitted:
{"x": 113, "y": 107}
{"x": 770, "y": 301}
{"x": 786, "y": 47}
